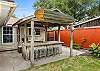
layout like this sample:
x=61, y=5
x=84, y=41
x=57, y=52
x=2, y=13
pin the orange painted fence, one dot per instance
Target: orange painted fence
x=81, y=36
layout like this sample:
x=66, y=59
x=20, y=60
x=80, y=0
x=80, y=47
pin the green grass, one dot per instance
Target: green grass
x=78, y=63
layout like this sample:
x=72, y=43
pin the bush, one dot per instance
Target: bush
x=95, y=49
x=76, y=46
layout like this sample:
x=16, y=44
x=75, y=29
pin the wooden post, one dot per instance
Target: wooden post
x=71, y=39
x=18, y=36
x=45, y=33
x=15, y=36
x=25, y=37
x=32, y=42
x=24, y=49
x=54, y=35
x=58, y=33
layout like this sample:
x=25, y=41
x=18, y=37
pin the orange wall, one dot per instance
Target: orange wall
x=84, y=37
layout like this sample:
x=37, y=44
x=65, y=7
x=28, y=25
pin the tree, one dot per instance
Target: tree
x=79, y=9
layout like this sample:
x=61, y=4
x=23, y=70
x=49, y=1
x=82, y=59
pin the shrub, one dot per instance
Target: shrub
x=76, y=46
x=95, y=49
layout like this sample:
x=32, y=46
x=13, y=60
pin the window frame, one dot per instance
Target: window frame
x=7, y=34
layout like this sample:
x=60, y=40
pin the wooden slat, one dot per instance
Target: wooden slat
x=58, y=19
x=56, y=16
x=53, y=21
x=53, y=16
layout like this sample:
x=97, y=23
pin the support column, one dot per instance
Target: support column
x=19, y=47
x=71, y=39
x=54, y=35
x=58, y=33
x=32, y=42
x=24, y=44
x=25, y=37
x=18, y=36
x=45, y=33
x=15, y=37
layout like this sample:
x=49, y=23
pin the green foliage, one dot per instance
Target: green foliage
x=79, y=9
x=76, y=46
x=95, y=49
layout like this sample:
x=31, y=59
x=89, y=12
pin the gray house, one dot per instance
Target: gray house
x=95, y=22
x=7, y=7
x=8, y=35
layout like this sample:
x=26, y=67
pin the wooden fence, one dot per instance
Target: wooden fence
x=81, y=36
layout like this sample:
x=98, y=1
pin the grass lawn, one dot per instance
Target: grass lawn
x=78, y=63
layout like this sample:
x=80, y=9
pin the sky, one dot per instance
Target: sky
x=24, y=8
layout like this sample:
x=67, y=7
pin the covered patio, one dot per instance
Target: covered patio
x=32, y=34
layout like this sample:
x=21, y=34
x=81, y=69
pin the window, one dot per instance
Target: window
x=29, y=25
x=7, y=35
x=37, y=31
x=29, y=31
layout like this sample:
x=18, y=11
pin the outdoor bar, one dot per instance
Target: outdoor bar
x=32, y=33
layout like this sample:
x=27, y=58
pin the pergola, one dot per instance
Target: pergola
x=47, y=18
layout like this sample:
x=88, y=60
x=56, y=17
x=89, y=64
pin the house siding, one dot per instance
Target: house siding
x=91, y=23
x=0, y=35
x=12, y=45
x=8, y=46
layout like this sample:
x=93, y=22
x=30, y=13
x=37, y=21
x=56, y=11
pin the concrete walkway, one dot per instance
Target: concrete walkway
x=13, y=61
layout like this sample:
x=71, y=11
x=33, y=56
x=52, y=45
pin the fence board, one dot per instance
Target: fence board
x=82, y=36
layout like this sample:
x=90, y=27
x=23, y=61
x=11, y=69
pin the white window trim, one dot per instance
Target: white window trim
x=2, y=36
